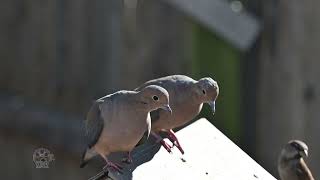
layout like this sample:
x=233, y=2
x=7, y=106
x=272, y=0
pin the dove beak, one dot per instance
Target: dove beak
x=213, y=106
x=304, y=153
x=167, y=108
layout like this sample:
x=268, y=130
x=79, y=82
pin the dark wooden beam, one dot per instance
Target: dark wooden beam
x=53, y=128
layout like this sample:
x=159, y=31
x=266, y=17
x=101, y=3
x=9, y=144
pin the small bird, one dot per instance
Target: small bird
x=291, y=165
x=186, y=100
x=116, y=122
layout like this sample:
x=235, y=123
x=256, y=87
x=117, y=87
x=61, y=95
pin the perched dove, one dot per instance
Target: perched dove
x=186, y=99
x=118, y=121
x=291, y=165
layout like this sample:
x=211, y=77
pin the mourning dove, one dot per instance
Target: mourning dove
x=186, y=99
x=291, y=165
x=116, y=122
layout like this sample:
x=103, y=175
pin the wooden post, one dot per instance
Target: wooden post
x=288, y=85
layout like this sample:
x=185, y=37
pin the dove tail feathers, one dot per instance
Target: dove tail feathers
x=87, y=155
x=83, y=163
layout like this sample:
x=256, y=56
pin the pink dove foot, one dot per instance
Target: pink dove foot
x=162, y=142
x=112, y=166
x=173, y=138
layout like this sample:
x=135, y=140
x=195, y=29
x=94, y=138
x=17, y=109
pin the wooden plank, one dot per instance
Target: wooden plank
x=53, y=128
x=209, y=154
x=47, y=91
x=75, y=34
x=158, y=42
x=107, y=39
x=8, y=38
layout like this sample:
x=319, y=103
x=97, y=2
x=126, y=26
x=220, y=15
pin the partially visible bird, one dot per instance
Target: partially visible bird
x=291, y=165
x=117, y=122
x=186, y=100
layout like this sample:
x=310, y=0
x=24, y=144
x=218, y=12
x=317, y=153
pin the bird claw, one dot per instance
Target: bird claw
x=173, y=138
x=176, y=143
x=166, y=145
x=113, y=166
x=160, y=140
x=127, y=160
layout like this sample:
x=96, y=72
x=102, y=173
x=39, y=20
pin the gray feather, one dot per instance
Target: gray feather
x=168, y=82
x=155, y=115
x=94, y=124
x=173, y=84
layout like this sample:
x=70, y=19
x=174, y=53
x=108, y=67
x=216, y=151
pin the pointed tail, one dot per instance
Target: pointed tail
x=87, y=155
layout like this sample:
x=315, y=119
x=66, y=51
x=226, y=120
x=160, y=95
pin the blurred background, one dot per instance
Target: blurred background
x=58, y=56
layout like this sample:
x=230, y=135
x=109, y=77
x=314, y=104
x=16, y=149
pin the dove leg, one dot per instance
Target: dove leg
x=111, y=165
x=160, y=140
x=173, y=138
x=128, y=159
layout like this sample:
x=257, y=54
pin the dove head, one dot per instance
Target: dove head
x=155, y=97
x=294, y=149
x=208, y=91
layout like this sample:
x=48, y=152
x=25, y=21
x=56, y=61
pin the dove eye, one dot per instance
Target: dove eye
x=203, y=91
x=156, y=98
x=297, y=147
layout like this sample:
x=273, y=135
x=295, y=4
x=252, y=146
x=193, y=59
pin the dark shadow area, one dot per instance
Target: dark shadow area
x=140, y=155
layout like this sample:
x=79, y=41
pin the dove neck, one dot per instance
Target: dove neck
x=286, y=157
x=195, y=95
